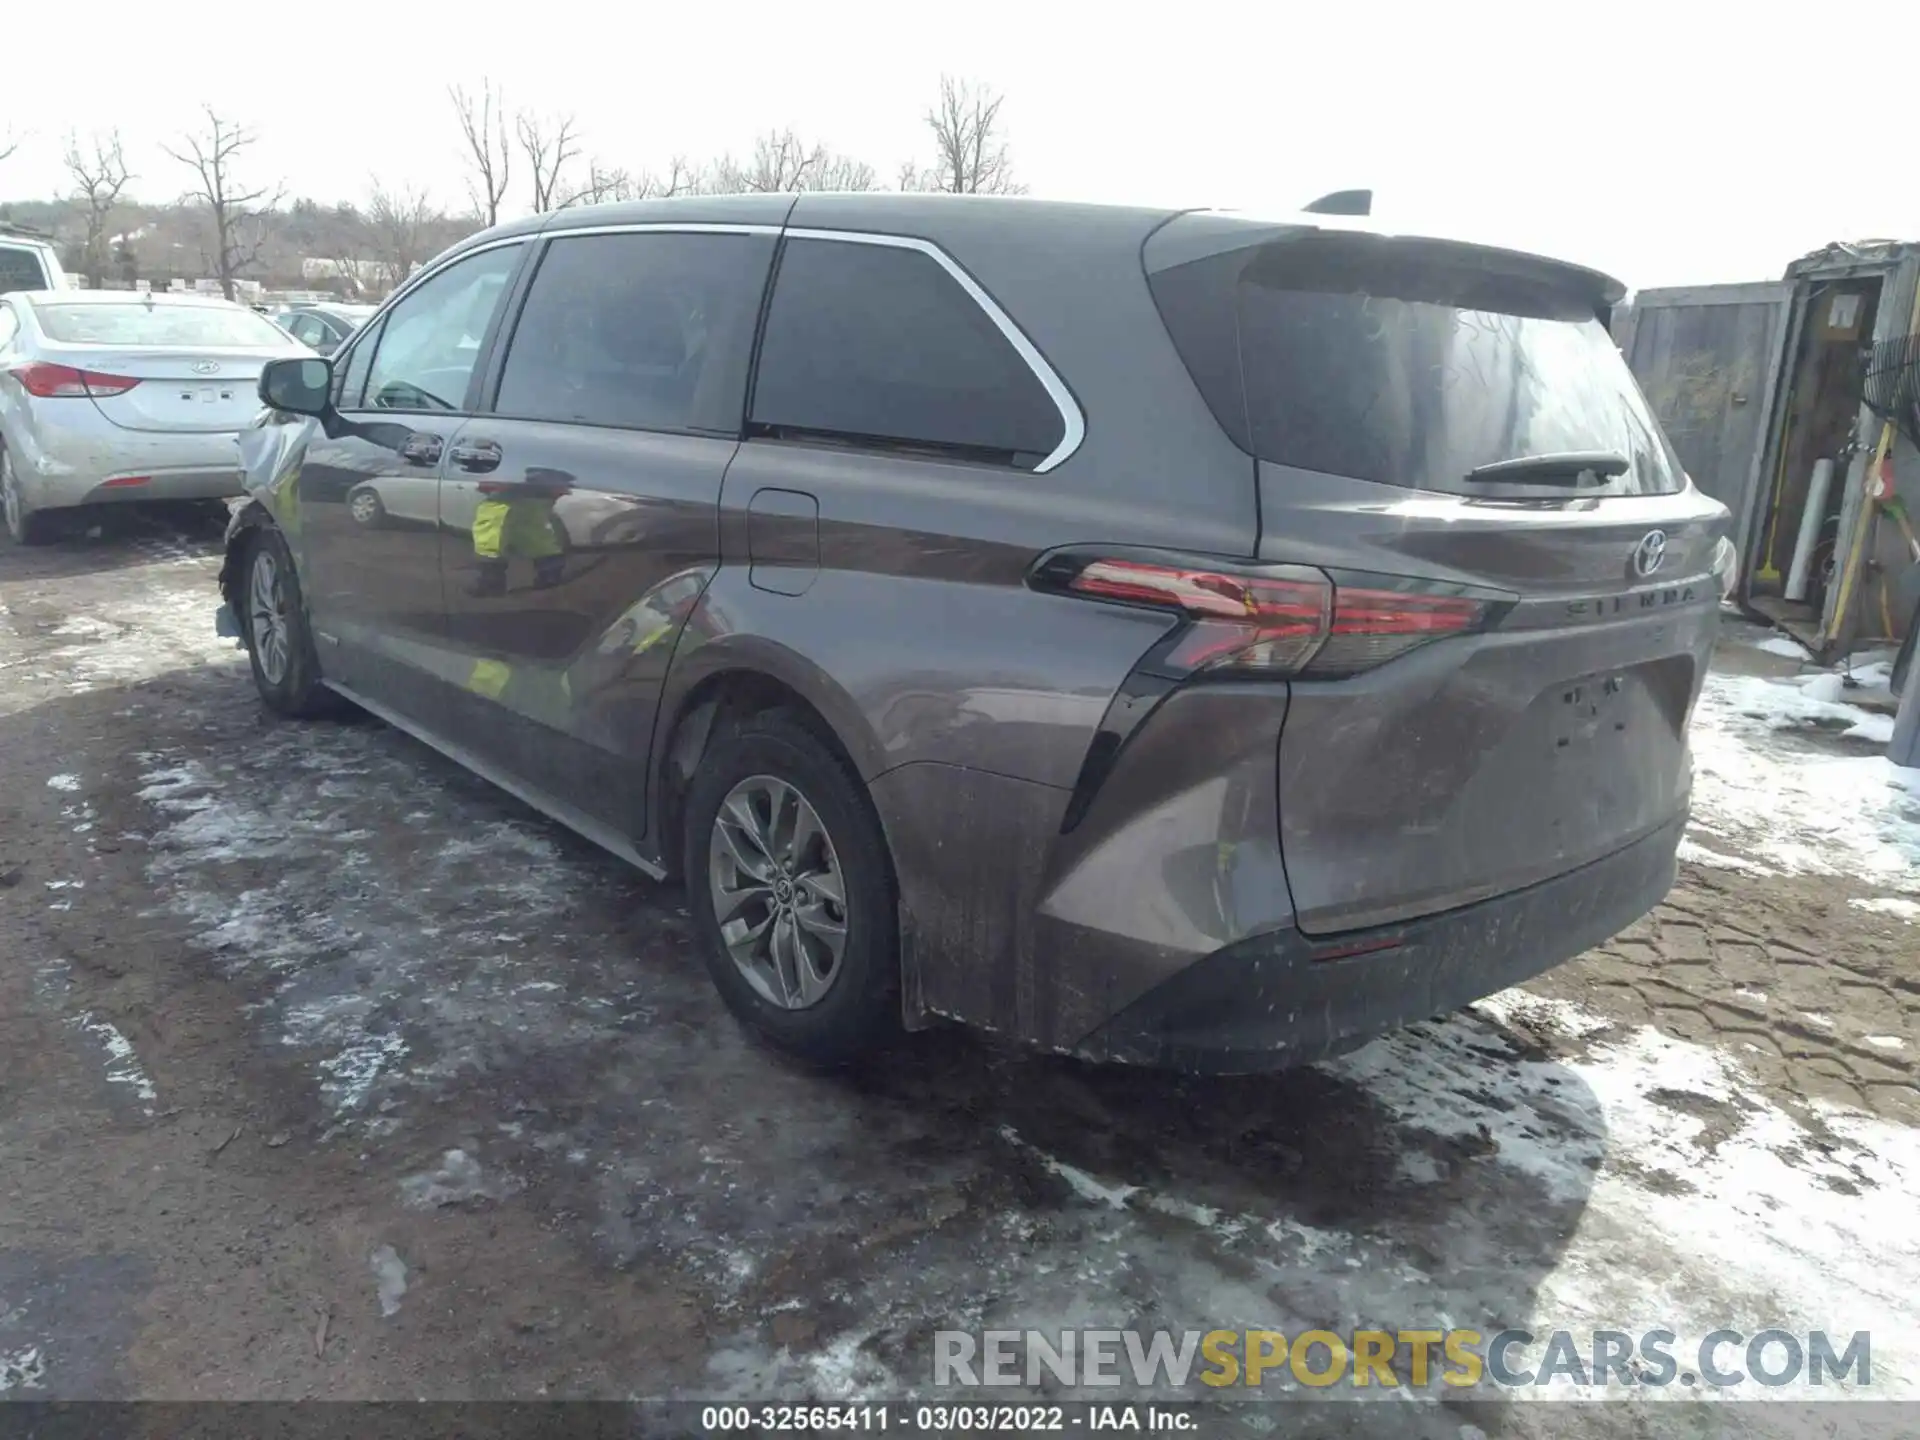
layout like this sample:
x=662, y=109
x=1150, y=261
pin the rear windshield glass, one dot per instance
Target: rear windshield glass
x=137, y=324
x=20, y=269
x=1409, y=365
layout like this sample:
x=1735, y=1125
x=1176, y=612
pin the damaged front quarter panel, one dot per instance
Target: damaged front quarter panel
x=271, y=449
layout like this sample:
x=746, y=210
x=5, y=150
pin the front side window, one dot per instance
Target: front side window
x=878, y=345
x=639, y=331
x=307, y=329
x=430, y=343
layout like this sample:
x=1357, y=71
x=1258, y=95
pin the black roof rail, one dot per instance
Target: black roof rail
x=8, y=227
x=1342, y=202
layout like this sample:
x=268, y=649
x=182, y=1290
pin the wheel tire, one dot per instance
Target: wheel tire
x=366, y=507
x=860, y=1011
x=24, y=526
x=287, y=674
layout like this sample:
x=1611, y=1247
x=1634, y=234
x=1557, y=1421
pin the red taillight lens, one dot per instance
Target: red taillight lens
x=1291, y=620
x=1371, y=627
x=50, y=382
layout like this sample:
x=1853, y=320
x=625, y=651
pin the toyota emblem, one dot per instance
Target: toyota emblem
x=206, y=367
x=1651, y=550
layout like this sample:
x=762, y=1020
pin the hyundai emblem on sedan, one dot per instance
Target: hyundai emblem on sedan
x=206, y=367
x=1651, y=550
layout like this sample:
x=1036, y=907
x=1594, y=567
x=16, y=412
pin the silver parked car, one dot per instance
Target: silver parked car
x=116, y=396
x=324, y=328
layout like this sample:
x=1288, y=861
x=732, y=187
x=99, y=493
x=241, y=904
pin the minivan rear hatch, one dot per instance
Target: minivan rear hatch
x=1426, y=415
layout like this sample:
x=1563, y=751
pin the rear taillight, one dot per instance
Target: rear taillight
x=63, y=381
x=1274, y=619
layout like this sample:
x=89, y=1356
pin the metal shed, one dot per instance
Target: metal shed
x=1757, y=385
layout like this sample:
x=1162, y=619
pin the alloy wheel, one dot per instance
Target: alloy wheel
x=267, y=612
x=778, y=894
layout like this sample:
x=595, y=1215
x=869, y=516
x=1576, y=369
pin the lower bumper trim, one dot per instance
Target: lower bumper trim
x=1276, y=999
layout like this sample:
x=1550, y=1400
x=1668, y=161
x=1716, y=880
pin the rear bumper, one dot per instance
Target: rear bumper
x=76, y=466
x=1281, y=998
x=193, y=484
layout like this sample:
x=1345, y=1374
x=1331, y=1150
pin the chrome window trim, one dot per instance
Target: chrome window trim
x=1073, y=422
x=641, y=227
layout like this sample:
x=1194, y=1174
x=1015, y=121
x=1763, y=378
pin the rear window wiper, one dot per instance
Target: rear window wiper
x=1563, y=467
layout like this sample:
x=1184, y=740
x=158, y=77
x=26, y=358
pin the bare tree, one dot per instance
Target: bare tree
x=98, y=179
x=680, y=179
x=401, y=221
x=782, y=162
x=548, y=146
x=235, y=211
x=969, y=149
x=842, y=172
x=9, y=143
x=609, y=183
x=604, y=183
x=483, y=125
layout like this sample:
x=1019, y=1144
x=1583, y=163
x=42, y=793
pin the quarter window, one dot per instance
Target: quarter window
x=640, y=331
x=879, y=345
x=431, y=342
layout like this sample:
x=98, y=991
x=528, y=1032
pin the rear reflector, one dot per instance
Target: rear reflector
x=50, y=382
x=1274, y=619
x=125, y=480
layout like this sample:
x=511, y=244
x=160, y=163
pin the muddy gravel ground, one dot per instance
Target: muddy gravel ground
x=326, y=1070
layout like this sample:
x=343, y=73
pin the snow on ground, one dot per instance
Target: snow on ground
x=1794, y=804
x=144, y=629
x=23, y=1369
x=1889, y=905
x=122, y=1064
x=1688, y=1161
x=1698, y=854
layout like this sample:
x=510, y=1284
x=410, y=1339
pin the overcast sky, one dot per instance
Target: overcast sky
x=1667, y=141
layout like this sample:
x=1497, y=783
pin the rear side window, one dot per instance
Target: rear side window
x=137, y=324
x=20, y=269
x=1407, y=363
x=638, y=331
x=879, y=345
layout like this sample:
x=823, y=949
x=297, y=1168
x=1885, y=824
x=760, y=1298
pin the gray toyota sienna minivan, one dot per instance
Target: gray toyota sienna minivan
x=1166, y=637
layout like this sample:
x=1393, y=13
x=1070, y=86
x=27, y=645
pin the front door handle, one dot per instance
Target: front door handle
x=421, y=448
x=478, y=456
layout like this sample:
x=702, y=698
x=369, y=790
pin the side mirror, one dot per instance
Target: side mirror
x=301, y=387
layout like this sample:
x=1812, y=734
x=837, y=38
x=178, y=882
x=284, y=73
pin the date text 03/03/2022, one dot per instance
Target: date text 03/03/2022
x=942, y=1418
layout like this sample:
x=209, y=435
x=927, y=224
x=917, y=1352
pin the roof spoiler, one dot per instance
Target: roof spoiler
x=1342, y=202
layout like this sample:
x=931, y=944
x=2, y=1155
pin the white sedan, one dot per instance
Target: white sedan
x=114, y=396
